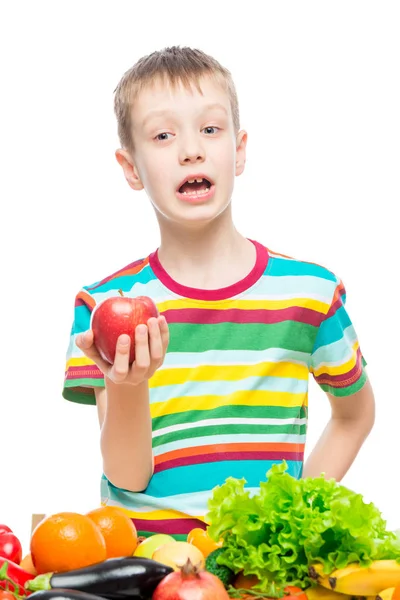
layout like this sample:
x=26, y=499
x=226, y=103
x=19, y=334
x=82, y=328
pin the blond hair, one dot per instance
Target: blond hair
x=173, y=65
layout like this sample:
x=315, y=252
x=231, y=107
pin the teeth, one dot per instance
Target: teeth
x=198, y=193
x=198, y=180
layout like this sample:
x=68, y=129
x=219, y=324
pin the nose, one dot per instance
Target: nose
x=191, y=151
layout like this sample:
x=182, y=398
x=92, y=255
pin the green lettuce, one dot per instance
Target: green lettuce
x=290, y=524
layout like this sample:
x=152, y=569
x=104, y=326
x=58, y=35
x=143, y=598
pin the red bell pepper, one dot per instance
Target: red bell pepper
x=13, y=578
x=10, y=547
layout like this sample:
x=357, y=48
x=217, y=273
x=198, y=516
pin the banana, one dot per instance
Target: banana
x=355, y=580
x=386, y=594
x=320, y=593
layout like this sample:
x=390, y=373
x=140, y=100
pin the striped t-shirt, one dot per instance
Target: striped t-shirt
x=231, y=396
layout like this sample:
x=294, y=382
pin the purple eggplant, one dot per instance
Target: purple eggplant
x=112, y=578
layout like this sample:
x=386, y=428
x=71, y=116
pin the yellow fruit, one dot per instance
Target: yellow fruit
x=386, y=594
x=356, y=580
x=316, y=571
x=200, y=538
x=147, y=548
x=175, y=554
x=27, y=565
x=320, y=593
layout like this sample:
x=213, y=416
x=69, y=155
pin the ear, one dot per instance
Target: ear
x=131, y=174
x=241, y=142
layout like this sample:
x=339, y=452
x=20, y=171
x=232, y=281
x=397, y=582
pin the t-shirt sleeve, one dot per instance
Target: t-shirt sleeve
x=337, y=363
x=81, y=374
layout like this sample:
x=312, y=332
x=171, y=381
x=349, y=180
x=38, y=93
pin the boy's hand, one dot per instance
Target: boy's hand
x=151, y=342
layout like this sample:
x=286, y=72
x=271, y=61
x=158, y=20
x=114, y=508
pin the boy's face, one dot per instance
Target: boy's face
x=181, y=136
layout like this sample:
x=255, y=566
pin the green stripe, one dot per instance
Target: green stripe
x=179, y=537
x=346, y=391
x=226, y=412
x=228, y=430
x=73, y=383
x=289, y=335
x=70, y=393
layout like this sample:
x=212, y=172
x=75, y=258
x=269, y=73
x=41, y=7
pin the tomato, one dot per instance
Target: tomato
x=294, y=593
x=4, y=529
x=200, y=538
x=10, y=547
x=245, y=582
x=6, y=595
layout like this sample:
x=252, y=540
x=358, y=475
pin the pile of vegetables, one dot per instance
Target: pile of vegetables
x=290, y=524
x=289, y=536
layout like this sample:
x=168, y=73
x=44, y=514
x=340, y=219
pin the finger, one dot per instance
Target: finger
x=164, y=331
x=142, y=352
x=120, y=368
x=85, y=342
x=156, y=347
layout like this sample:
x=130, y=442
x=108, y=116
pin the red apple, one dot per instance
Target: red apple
x=117, y=315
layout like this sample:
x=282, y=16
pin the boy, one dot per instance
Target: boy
x=219, y=385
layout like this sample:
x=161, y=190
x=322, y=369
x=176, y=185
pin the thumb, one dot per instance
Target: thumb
x=84, y=341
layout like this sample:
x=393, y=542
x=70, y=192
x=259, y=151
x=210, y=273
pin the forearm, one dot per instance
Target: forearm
x=126, y=441
x=337, y=447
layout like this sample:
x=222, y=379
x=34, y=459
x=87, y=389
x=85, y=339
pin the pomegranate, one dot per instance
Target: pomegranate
x=190, y=583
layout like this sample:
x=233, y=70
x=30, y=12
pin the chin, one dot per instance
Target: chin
x=193, y=215
x=202, y=215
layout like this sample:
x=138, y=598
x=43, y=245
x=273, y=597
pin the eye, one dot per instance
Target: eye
x=162, y=137
x=210, y=130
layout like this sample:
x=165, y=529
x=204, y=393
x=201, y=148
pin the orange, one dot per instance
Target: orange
x=66, y=541
x=200, y=538
x=118, y=530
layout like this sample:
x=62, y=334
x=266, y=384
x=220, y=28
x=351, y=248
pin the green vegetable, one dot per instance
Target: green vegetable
x=223, y=573
x=290, y=524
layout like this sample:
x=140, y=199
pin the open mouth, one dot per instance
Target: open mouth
x=195, y=187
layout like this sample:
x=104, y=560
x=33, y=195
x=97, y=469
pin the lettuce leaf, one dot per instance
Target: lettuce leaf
x=290, y=524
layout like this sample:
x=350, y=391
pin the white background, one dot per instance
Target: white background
x=318, y=84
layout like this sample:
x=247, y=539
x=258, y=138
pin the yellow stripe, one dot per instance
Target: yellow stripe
x=178, y=375
x=79, y=362
x=253, y=398
x=157, y=515
x=317, y=305
x=339, y=369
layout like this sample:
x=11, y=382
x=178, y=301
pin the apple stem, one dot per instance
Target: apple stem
x=120, y=292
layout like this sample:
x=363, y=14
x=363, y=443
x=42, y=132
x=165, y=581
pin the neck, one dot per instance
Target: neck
x=211, y=256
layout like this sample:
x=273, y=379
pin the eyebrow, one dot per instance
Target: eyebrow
x=165, y=113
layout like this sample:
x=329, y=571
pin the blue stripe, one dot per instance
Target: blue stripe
x=124, y=282
x=300, y=286
x=229, y=357
x=81, y=320
x=332, y=330
x=198, y=478
x=282, y=267
x=340, y=351
x=151, y=288
x=236, y=438
x=195, y=504
x=224, y=388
